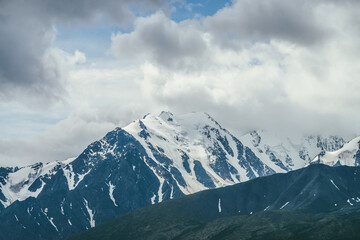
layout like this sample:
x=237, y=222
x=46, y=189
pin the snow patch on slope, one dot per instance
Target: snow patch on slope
x=50, y=219
x=73, y=179
x=334, y=184
x=219, y=205
x=284, y=205
x=111, y=192
x=91, y=214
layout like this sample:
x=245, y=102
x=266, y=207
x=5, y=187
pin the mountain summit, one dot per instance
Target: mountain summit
x=153, y=159
x=150, y=160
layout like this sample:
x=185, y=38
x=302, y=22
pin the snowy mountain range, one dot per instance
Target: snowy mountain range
x=289, y=153
x=151, y=160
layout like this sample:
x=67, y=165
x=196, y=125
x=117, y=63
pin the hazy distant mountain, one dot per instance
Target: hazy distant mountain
x=317, y=202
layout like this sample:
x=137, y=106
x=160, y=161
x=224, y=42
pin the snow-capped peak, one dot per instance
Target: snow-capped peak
x=166, y=116
x=285, y=153
x=156, y=158
x=185, y=153
x=177, y=138
x=348, y=155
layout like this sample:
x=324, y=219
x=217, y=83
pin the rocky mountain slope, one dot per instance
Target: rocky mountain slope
x=149, y=161
x=316, y=202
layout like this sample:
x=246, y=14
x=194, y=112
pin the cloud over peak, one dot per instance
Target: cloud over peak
x=254, y=64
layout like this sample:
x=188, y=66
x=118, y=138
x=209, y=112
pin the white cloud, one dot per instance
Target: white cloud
x=28, y=73
x=243, y=65
x=66, y=139
x=262, y=20
x=157, y=38
x=300, y=75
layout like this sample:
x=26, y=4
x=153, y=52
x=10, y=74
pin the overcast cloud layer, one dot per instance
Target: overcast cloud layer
x=284, y=66
x=29, y=69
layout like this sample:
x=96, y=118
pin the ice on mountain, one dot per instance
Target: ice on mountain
x=345, y=156
x=111, y=192
x=334, y=184
x=284, y=205
x=91, y=214
x=219, y=205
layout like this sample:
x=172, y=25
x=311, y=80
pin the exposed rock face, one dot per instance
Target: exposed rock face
x=149, y=161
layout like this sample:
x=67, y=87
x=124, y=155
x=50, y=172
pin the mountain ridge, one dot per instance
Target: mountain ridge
x=311, y=193
x=152, y=159
x=347, y=155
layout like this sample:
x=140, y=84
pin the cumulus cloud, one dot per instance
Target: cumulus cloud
x=259, y=64
x=28, y=70
x=158, y=38
x=264, y=20
x=297, y=22
x=23, y=62
x=275, y=65
x=99, y=99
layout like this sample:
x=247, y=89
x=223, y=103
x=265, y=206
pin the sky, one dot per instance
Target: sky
x=70, y=71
